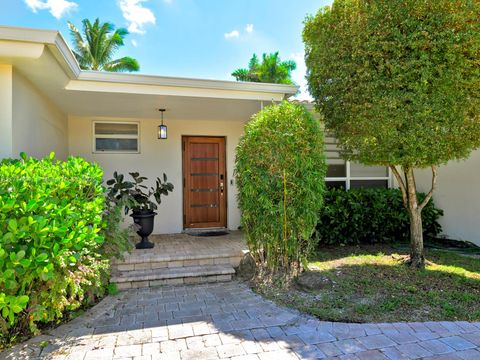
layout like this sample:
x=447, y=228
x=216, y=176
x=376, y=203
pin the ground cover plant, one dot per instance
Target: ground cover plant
x=398, y=84
x=280, y=167
x=53, y=224
x=370, y=283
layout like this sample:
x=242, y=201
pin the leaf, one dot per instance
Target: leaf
x=12, y=225
x=25, y=263
x=42, y=257
x=56, y=248
x=10, y=284
x=20, y=255
x=9, y=273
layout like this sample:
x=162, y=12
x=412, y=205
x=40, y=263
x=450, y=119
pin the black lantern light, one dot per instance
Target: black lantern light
x=162, y=129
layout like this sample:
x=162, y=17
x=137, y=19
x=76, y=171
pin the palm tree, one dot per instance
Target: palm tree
x=94, y=49
x=270, y=70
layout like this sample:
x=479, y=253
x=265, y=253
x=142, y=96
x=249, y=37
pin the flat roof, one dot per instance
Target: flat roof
x=59, y=47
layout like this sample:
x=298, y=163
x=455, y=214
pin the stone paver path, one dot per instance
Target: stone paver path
x=229, y=321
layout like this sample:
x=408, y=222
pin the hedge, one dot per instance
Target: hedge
x=370, y=216
x=279, y=168
x=51, y=217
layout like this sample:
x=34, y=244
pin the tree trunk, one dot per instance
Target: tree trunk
x=410, y=201
x=417, y=256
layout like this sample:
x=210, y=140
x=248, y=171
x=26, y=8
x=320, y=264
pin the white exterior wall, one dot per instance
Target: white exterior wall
x=159, y=156
x=6, y=144
x=39, y=127
x=458, y=194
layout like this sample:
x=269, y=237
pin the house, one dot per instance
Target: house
x=48, y=104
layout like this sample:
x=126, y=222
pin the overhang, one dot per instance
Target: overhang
x=45, y=59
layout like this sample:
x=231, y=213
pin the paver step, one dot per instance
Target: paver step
x=151, y=256
x=140, y=263
x=175, y=275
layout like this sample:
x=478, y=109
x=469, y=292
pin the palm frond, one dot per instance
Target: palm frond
x=123, y=64
x=96, y=45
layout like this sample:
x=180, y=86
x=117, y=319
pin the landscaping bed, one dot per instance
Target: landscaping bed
x=371, y=283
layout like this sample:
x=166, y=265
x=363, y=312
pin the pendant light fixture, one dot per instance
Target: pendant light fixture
x=162, y=129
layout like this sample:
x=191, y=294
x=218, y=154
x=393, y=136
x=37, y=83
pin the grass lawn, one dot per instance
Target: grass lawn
x=371, y=284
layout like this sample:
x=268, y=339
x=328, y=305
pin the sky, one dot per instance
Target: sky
x=205, y=39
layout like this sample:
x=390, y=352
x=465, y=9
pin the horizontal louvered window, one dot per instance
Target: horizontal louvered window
x=116, y=137
x=343, y=174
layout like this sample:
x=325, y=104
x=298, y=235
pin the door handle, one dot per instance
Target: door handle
x=221, y=188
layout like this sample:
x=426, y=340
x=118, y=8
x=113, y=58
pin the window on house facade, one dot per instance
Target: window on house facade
x=350, y=175
x=116, y=137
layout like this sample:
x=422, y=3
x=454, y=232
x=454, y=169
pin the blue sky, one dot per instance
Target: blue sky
x=188, y=38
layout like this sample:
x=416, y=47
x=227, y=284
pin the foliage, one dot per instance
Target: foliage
x=118, y=239
x=271, y=70
x=280, y=166
x=398, y=83
x=135, y=195
x=370, y=216
x=50, y=237
x=95, y=49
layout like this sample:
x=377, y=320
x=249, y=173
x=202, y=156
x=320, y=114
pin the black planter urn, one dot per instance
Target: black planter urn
x=145, y=220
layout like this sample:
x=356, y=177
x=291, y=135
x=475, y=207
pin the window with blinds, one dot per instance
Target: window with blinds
x=116, y=137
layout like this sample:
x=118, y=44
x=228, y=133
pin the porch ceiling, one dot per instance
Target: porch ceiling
x=146, y=106
x=88, y=98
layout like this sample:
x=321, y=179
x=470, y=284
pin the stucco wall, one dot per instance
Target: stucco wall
x=5, y=111
x=158, y=156
x=39, y=127
x=458, y=194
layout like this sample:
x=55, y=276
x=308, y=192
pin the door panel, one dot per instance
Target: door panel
x=204, y=174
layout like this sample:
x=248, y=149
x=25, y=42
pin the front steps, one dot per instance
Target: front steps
x=179, y=259
x=173, y=276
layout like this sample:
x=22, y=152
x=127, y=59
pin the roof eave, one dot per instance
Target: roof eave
x=65, y=57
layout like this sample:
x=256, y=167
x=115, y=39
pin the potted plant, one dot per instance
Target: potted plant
x=137, y=197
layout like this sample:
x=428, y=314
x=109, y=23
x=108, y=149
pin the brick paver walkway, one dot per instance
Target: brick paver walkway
x=217, y=321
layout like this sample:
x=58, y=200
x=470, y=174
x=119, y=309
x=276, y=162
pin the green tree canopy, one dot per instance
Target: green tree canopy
x=95, y=48
x=280, y=167
x=271, y=70
x=398, y=83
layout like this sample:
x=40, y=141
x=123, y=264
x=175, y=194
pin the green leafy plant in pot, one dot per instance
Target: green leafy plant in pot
x=137, y=197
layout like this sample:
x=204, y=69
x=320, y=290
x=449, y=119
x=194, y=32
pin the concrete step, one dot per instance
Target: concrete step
x=172, y=276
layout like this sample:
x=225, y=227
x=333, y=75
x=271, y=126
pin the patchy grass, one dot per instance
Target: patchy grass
x=372, y=284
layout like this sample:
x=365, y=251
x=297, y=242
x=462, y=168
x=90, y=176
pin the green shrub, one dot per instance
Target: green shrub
x=51, y=219
x=280, y=167
x=370, y=216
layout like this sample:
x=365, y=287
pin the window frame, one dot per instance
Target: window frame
x=348, y=178
x=115, y=136
x=332, y=142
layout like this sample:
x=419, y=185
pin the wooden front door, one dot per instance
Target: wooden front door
x=204, y=182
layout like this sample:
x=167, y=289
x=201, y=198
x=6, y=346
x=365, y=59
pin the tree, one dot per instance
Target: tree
x=279, y=169
x=270, y=70
x=398, y=83
x=95, y=49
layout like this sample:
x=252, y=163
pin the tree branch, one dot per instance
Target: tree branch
x=430, y=193
x=401, y=183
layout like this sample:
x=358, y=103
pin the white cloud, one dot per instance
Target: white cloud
x=232, y=34
x=298, y=75
x=249, y=28
x=57, y=8
x=136, y=15
x=134, y=43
